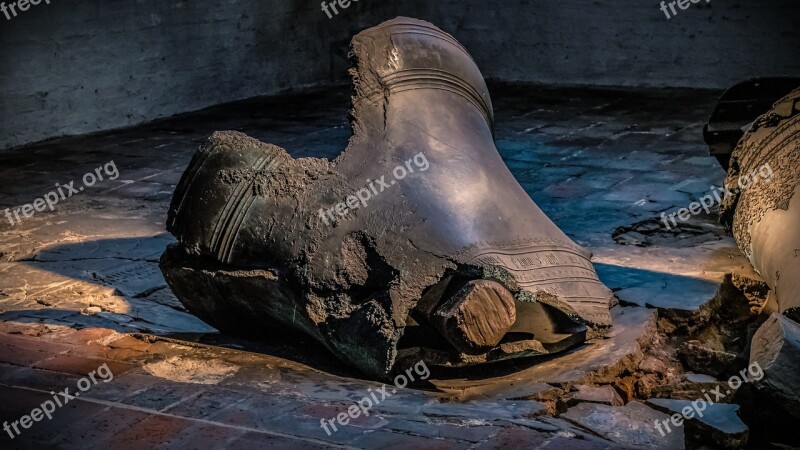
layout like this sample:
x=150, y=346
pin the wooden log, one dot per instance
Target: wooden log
x=476, y=317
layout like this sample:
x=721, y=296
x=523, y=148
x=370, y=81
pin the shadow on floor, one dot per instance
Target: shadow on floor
x=130, y=267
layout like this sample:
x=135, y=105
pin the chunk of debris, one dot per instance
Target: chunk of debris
x=646, y=384
x=687, y=390
x=604, y=395
x=700, y=358
x=776, y=350
x=651, y=364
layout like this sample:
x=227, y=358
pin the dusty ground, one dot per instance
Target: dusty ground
x=80, y=287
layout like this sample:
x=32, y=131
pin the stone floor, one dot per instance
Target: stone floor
x=80, y=286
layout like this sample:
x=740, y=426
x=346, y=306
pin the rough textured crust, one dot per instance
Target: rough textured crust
x=773, y=139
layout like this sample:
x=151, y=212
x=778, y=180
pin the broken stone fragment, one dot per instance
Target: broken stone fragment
x=514, y=390
x=700, y=358
x=753, y=287
x=688, y=390
x=604, y=395
x=415, y=243
x=776, y=351
x=627, y=387
x=652, y=364
x=542, y=392
x=715, y=424
x=646, y=384
x=733, y=301
x=632, y=425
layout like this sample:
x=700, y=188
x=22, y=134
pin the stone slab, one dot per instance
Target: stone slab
x=631, y=425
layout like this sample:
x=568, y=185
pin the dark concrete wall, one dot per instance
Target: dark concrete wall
x=81, y=66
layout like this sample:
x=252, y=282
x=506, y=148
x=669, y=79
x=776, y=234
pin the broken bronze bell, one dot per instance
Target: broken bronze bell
x=763, y=212
x=416, y=243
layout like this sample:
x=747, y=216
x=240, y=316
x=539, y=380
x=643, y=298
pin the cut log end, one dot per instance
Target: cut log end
x=477, y=317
